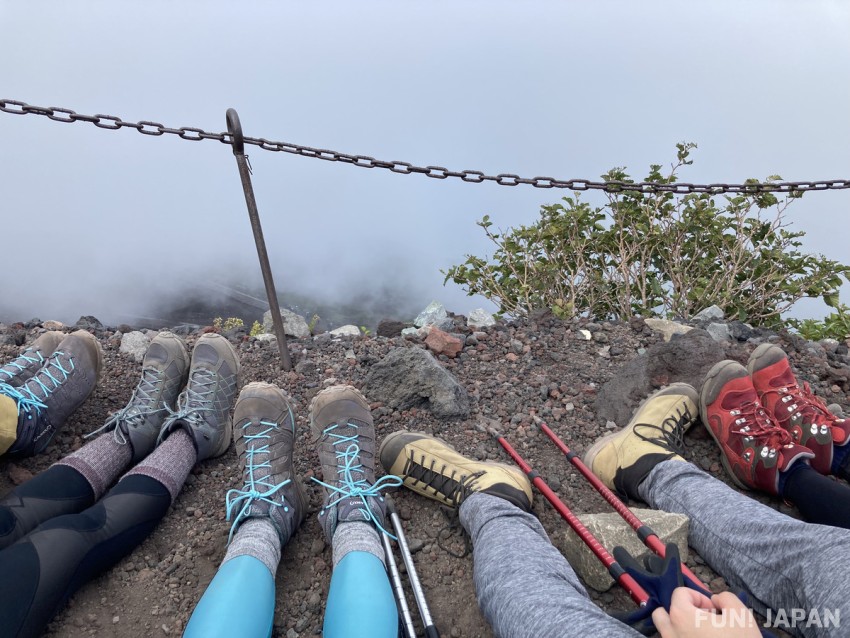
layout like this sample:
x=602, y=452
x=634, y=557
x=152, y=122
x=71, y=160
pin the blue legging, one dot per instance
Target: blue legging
x=240, y=601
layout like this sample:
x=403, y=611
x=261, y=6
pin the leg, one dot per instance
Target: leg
x=525, y=587
x=820, y=499
x=784, y=563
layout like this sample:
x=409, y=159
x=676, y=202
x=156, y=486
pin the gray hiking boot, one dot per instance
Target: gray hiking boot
x=59, y=387
x=342, y=424
x=203, y=408
x=25, y=365
x=163, y=376
x=264, y=433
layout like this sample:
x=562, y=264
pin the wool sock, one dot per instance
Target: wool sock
x=256, y=537
x=356, y=536
x=100, y=462
x=170, y=463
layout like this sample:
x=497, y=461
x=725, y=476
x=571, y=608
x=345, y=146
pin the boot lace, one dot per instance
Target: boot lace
x=454, y=489
x=196, y=400
x=351, y=481
x=672, y=431
x=756, y=423
x=258, y=469
x=142, y=405
x=804, y=403
x=31, y=396
x=21, y=363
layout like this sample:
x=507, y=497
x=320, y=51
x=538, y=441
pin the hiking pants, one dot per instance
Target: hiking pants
x=526, y=588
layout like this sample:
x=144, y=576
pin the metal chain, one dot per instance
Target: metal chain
x=146, y=127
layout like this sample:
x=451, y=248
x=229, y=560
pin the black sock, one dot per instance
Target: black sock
x=819, y=498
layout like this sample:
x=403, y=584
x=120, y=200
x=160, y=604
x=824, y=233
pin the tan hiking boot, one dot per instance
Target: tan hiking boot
x=32, y=358
x=430, y=467
x=622, y=460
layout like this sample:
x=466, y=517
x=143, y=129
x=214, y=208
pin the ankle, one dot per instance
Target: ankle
x=841, y=461
x=791, y=474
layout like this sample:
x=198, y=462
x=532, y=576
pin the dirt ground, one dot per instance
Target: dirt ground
x=554, y=372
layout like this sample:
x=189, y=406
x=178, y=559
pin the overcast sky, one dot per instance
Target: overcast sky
x=101, y=222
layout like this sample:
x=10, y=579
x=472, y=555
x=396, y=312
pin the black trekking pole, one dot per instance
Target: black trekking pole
x=415, y=585
x=395, y=577
x=644, y=532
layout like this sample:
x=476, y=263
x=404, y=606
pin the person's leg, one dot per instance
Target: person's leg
x=266, y=511
x=525, y=587
x=81, y=478
x=360, y=600
x=782, y=562
x=820, y=499
x=40, y=571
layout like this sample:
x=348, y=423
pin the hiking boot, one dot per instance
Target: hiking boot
x=163, y=375
x=754, y=448
x=796, y=409
x=623, y=459
x=264, y=433
x=59, y=387
x=23, y=368
x=432, y=468
x=203, y=408
x=342, y=425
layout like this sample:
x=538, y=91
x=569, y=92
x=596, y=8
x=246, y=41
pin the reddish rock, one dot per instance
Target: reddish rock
x=17, y=474
x=440, y=342
x=511, y=357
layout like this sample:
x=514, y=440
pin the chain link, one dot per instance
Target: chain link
x=146, y=127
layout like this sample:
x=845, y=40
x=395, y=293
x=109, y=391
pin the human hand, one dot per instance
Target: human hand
x=693, y=615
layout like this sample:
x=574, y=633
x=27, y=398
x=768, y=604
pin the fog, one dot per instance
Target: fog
x=117, y=224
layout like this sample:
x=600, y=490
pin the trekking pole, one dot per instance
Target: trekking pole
x=407, y=619
x=234, y=127
x=415, y=585
x=644, y=532
x=629, y=584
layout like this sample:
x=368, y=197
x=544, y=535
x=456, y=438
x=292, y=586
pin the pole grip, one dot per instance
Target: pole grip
x=431, y=632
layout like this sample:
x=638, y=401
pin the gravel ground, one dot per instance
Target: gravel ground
x=541, y=366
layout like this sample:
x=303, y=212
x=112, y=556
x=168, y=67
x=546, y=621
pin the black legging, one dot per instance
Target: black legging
x=819, y=498
x=41, y=571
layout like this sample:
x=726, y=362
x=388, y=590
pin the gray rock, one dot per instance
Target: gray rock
x=830, y=345
x=390, y=329
x=184, y=329
x=135, y=344
x=719, y=332
x=411, y=377
x=480, y=318
x=345, y=331
x=293, y=325
x=741, y=331
x=667, y=328
x=89, y=323
x=434, y=314
x=836, y=409
x=612, y=530
x=712, y=313
x=685, y=358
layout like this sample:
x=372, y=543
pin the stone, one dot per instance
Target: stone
x=89, y=323
x=740, y=331
x=184, y=329
x=585, y=335
x=17, y=474
x=419, y=333
x=434, y=314
x=440, y=342
x=52, y=325
x=480, y=318
x=135, y=344
x=836, y=409
x=411, y=377
x=686, y=358
x=611, y=530
x=712, y=313
x=667, y=328
x=345, y=331
x=294, y=325
x=719, y=332
x=390, y=329
x=267, y=337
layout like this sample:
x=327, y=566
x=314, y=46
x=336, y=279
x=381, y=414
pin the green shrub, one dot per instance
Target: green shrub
x=256, y=329
x=835, y=326
x=653, y=254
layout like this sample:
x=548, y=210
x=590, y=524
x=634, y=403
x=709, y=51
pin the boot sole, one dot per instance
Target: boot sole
x=703, y=413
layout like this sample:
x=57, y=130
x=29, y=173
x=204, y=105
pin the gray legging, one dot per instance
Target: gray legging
x=526, y=588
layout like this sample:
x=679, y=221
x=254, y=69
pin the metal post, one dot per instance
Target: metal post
x=234, y=127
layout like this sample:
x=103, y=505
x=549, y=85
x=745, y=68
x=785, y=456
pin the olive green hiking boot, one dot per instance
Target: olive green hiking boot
x=622, y=460
x=32, y=358
x=432, y=468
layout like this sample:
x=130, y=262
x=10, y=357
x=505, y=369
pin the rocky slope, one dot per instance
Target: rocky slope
x=583, y=378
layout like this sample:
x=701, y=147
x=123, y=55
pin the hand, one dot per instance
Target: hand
x=693, y=615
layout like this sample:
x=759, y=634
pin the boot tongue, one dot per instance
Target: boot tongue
x=739, y=398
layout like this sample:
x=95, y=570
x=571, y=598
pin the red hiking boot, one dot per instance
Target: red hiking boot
x=755, y=448
x=796, y=409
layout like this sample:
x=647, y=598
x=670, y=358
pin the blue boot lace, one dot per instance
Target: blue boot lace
x=256, y=488
x=48, y=379
x=347, y=486
x=24, y=360
x=196, y=399
x=141, y=405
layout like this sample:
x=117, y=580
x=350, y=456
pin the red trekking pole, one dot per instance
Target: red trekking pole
x=644, y=532
x=629, y=584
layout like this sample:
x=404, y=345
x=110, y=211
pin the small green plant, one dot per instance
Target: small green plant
x=313, y=321
x=366, y=332
x=227, y=324
x=836, y=325
x=256, y=329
